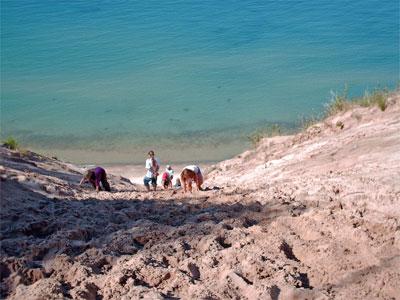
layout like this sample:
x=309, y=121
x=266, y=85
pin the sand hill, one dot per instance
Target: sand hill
x=310, y=216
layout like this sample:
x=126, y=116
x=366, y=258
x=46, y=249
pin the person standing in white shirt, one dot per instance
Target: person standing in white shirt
x=152, y=167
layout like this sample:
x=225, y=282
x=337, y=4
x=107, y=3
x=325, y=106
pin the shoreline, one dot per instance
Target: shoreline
x=136, y=172
x=179, y=154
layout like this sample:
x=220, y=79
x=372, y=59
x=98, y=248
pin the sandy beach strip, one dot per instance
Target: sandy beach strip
x=135, y=172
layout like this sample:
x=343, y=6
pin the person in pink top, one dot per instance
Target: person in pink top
x=167, y=176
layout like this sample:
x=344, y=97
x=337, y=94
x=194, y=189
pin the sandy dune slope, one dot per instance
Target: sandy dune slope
x=310, y=216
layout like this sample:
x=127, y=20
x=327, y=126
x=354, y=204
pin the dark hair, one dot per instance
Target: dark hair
x=89, y=174
x=187, y=173
x=151, y=152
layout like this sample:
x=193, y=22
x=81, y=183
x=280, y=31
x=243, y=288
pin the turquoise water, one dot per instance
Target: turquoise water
x=191, y=79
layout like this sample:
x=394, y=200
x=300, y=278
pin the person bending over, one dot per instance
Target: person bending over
x=190, y=174
x=167, y=177
x=95, y=176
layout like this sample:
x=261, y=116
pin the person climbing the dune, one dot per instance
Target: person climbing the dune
x=167, y=177
x=188, y=175
x=95, y=176
x=152, y=167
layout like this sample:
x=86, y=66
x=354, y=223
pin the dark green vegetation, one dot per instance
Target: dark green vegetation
x=11, y=143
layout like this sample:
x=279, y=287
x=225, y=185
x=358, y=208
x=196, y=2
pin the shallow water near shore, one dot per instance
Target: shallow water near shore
x=103, y=82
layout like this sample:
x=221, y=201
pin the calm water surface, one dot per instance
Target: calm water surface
x=104, y=81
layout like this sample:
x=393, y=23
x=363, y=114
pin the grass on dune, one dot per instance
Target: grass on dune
x=268, y=131
x=11, y=143
x=340, y=102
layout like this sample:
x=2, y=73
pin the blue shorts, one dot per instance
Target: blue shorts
x=147, y=180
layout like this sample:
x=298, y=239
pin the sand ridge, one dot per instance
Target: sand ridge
x=309, y=216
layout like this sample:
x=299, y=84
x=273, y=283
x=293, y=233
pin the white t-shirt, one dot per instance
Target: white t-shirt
x=193, y=168
x=170, y=172
x=149, y=167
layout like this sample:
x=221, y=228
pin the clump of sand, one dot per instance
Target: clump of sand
x=309, y=216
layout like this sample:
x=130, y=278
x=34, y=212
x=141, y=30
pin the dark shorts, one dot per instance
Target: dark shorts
x=147, y=180
x=166, y=182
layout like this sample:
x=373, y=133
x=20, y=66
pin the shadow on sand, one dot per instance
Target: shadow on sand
x=35, y=228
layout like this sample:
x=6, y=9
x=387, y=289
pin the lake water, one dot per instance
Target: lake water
x=105, y=81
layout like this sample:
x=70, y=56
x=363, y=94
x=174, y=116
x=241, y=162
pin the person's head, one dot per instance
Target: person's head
x=169, y=167
x=187, y=177
x=89, y=174
x=151, y=153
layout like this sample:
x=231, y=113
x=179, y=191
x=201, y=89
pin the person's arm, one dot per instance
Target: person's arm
x=155, y=166
x=199, y=180
x=83, y=180
x=97, y=182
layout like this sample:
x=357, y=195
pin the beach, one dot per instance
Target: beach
x=135, y=173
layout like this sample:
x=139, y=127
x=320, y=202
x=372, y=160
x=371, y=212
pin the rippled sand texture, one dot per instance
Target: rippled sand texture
x=310, y=216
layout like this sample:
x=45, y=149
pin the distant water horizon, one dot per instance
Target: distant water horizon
x=105, y=81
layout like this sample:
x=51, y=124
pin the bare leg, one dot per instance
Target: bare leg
x=183, y=183
x=190, y=185
x=199, y=181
